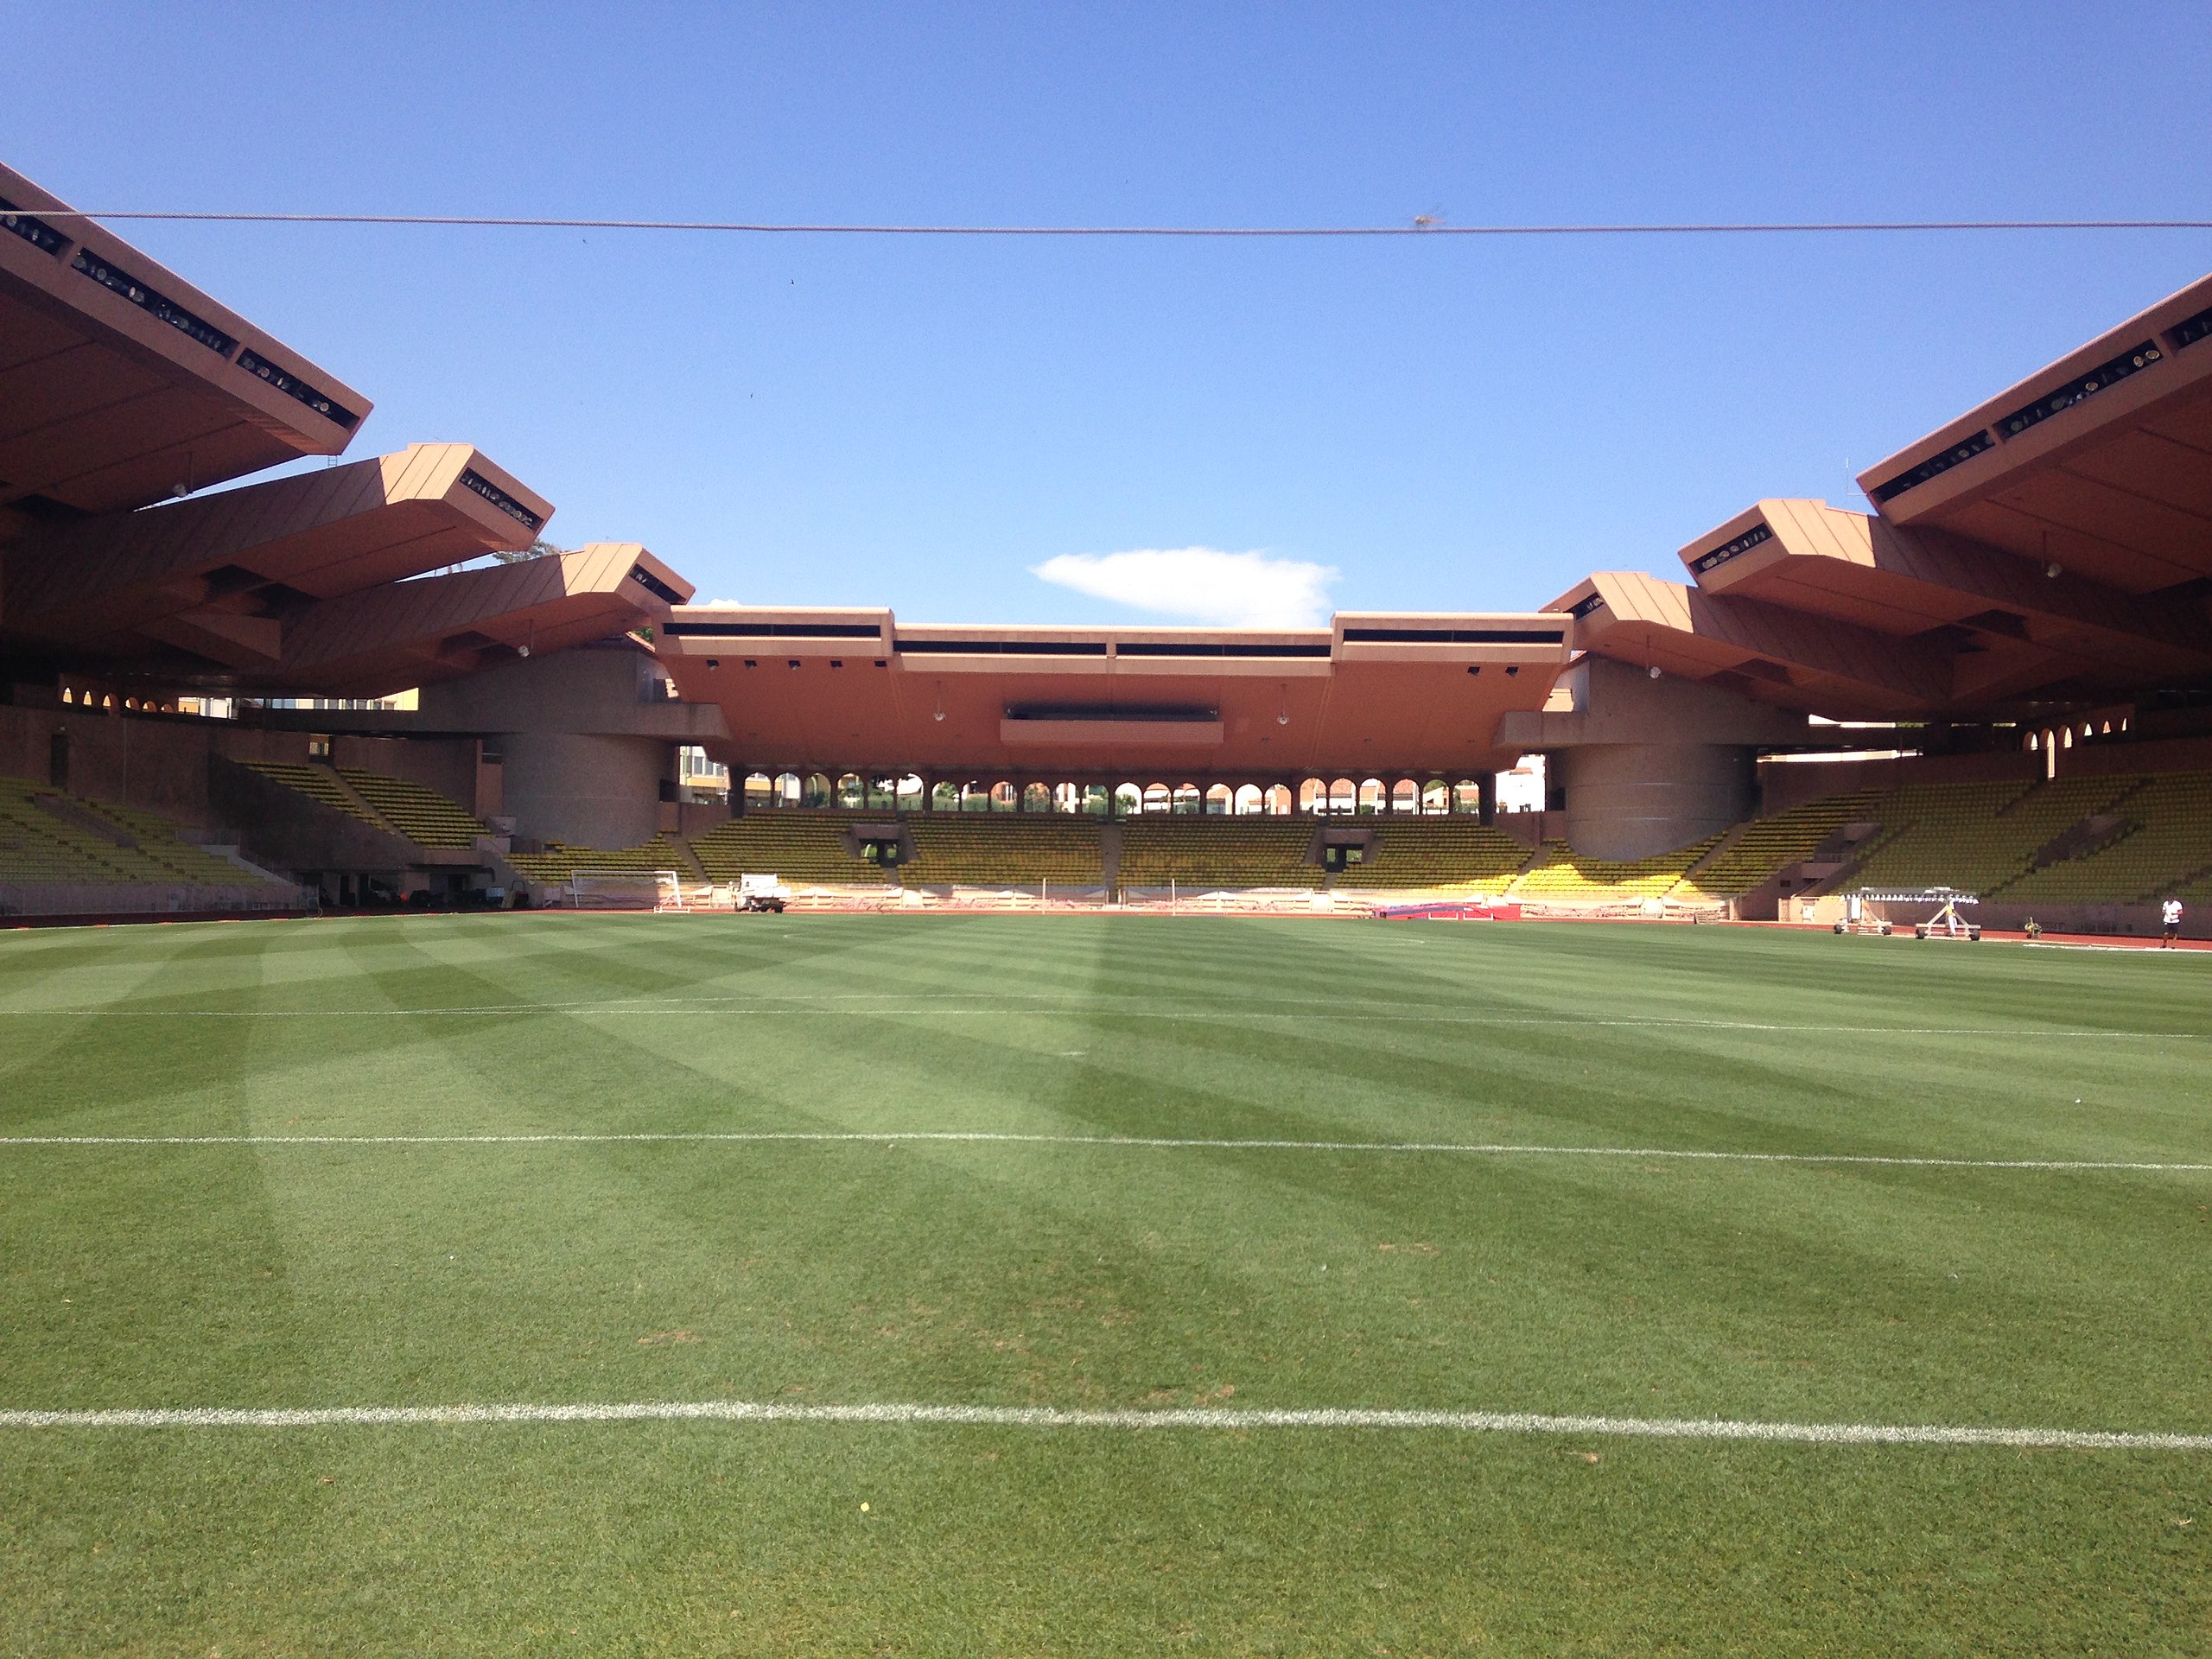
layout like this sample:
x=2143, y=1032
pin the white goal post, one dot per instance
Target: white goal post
x=624, y=890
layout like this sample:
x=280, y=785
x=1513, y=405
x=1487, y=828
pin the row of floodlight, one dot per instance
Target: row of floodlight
x=2079, y=389
x=120, y=282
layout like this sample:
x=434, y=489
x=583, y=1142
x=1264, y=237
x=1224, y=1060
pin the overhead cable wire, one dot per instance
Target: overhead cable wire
x=1225, y=232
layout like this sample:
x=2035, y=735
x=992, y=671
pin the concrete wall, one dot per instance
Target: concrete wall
x=156, y=763
x=591, y=792
x=1631, y=800
x=1646, y=765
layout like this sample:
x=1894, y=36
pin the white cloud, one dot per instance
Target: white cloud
x=1201, y=584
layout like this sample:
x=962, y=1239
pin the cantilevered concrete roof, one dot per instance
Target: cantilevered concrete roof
x=2101, y=462
x=2016, y=627
x=121, y=382
x=219, y=575
x=806, y=690
x=408, y=633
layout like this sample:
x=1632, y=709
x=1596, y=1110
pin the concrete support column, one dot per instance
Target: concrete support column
x=590, y=792
x=1486, y=798
x=1632, y=800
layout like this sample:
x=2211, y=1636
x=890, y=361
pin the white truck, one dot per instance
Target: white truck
x=762, y=892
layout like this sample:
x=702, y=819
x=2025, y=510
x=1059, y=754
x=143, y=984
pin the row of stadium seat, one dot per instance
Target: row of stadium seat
x=1566, y=874
x=1434, y=853
x=418, y=812
x=1768, y=845
x=559, y=860
x=319, y=784
x=1981, y=837
x=398, y=806
x=1223, y=852
x=1015, y=852
x=798, y=846
x=37, y=846
x=1976, y=837
x=2164, y=846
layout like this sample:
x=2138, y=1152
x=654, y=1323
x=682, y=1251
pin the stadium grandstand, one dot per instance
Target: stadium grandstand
x=378, y=681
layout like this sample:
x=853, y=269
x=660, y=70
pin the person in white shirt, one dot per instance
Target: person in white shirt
x=2170, y=916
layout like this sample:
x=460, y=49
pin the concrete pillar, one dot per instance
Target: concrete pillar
x=590, y=792
x=1486, y=798
x=1632, y=800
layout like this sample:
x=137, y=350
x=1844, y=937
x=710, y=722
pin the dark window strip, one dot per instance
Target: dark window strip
x=1115, y=713
x=155, y=305
x=1003, y=647
x=1581, y=608
x=2190, y=330
x=1743, y=544
x=771, y=631
x=2130, y=361
x=292, y=386
x=500, y=499
x=1153, y=648
x=1934, y=467
x=1455, y=636
x=37, y=231
x=653, y=585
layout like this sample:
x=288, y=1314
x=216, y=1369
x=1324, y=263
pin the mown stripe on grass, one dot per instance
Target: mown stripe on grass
x=1229, y=1418
x=891, y=1137
x=1099, y=1008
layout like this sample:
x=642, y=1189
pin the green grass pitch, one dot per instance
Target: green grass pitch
x=884, y=1270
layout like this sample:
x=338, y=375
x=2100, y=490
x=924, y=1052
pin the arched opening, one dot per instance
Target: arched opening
x=817, y=790
x=1405, y=795
x=1344, y=797
x=1005, y=797
x=882, y=794
x=1281, y=803
x=1036, y=797
x=788, y=788
x=1247, y=800
x=974, y=797
x=1158, y=797
x=1220, y=799
x=760, y=790
x=2035, y=741
x=1467, y=795
x=1312, y=796
x=1128, y=800
x=1373, y=796
x=1096, y=800
x=1435, y=797
x=852, y=792
x=912, y=795
x=944, y=797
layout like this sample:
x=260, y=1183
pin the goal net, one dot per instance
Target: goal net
x=624, y=890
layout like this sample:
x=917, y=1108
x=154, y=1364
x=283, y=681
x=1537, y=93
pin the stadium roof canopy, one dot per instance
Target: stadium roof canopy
x=121, y=382
x=835, y=690
x=2050, y=549
x=2052, y=546
x=122, y=385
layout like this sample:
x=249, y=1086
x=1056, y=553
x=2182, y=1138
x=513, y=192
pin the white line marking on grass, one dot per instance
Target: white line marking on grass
x=1231, y=1418
x=1331, y=1012
x=893, y=1137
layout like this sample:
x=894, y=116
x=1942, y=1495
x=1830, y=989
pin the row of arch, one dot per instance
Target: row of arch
x=1314, y=797
x=107, y=702
x=2049, y=740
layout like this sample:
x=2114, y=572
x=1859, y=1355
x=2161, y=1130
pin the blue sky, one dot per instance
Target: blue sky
x=1448, y=423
